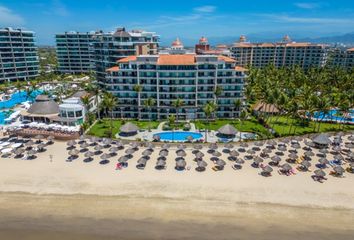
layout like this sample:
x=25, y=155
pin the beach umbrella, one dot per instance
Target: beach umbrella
x=241, y=149
x=267, y=169
x=306, y=164
x=244, y=145
x=251, y=151
x=107, y=141
x=50, y=138
x=156, y=137
x=166, y=146
x=309, y=154
x=29, y=143
x=113, y=149
x=322, y=140
x=202, y=164
x=71, y=143
x=199, y=155
x=213, y=146
x=293, y=156
x=93, y=139
x=142, y=161
x=181, y=163
x=120, y=144
x=351, y=155
x=286, y=167
x=163, y=153
x=198, y=146
x=134, y=145
x=258, y=160
x=323, y=150
x=41, y=146
x=19, y=151
x=181, y=153
x=227, y=129
x=337, y=149
x=229, y=146
x=349, y=145
x=351, y=138
x=319, y=173
x=351, y=165
x=129, y=128
x=123, y=159
x=84, y=145
x=129, y=151
x=150, y=146
x=282, y=148
x=338, y=169
x=98, y=148
x=39, y=137
x=259, y=144
x=31, y=152
x=105, y=156
x=220, y=162
x=239, y=161
x=160, y=163
x=266, y=150
x=271, y=142
x=82, y=138
x=338, y=157
x=89, y=154
x=296, y=146
x=147, y=152
x=323, y=161
x=181, y=146
x=234, y=153
x=216, y=154
x=73, y=152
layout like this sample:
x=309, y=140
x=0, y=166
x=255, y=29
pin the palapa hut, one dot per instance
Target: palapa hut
x=227, y=130
x=43, y=109
x=321, y=141
x=128, y=129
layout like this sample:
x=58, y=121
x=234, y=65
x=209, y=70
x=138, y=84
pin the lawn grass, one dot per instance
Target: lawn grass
x=101, y=127
x=282, y=126
x=250, y=125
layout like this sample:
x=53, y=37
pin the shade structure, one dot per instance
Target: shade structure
x=150, y=146
x=321, y=140
x=160, y=163
x=202, y=163
x=199, y=155
x=338, y=169
x=266, y=150
x=73, y=152
x=89, y=154
x=105, y=156
x=120, y=144
x=181, y=153
x=271, y=142
x=156, y=137
x=351, y=138
x=123, y=159
x=113, y=149
x=243, y=144
x=282, y=148
x=84, y=145
x=71, y=143
x=181, y=163
x=229, y=146
x=293, y=156
x=323, y=150
x=320, y=173
x=275, y=158
x=39, y=137
x=147, y=152
x=227, y=129
x=213, y=146
x=286, y=167
x=41, y=146
x=258, y=160
x=165, y=146
x=163, y=153
x=309, y=154
x=259, y=144
x=216, y=154
x=50, y=138
x=239, y=161
x=107, y=141
x=129, y=151
x=234, y=153
x=93, y=139
x=32, y=152
x=296, y=146
x=129, y=128
x=251, y=151
x=220, y=162
x=98, y=148
x=198, y=146
x=181, y=146
x=18, y=151
x=134, y=145
x=142, y=161
x=338, y=157
x=82, y=137
x=267, y=169
x=306, y=164
x=29, y=143
x=323, y=161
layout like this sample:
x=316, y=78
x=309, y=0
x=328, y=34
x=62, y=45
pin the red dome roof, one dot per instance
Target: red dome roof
x=203, y=40
x=177, y=43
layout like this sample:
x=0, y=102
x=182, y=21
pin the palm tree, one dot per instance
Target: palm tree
x=177, y=104
x=237, y=105
x=138, y=88
x=323, y=106
x=109, y=103
x=97, y=92
x=149, y=103
x=243, y=116
x=208, y=110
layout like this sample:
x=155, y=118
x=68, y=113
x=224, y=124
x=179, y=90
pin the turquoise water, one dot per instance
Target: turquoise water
x=331, y=116
x=18, y=98
x=3, y=116
x=178, y=136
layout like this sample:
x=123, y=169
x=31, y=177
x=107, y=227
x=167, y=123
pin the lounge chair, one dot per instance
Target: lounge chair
x=215, y=169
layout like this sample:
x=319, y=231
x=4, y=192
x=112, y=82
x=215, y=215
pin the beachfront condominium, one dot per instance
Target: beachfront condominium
x=342, y=58
x=75, y=52
x=112, y=46
x=167, y=77
x=281, y=54
x=18, y=55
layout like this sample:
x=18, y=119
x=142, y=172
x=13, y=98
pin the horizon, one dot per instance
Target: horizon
x=187, y=20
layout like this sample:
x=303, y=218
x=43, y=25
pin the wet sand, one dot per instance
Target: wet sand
x=32, y=216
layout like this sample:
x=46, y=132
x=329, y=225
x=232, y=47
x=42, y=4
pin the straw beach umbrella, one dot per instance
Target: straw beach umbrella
x=163, y=153
x=181, y=153
x=123, y=159
x=319, y=173
x=147, y=152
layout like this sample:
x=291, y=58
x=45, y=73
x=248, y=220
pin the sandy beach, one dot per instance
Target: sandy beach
x=76, y=200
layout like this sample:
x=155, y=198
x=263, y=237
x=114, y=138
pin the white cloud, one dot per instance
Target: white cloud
x=290, y=19
x=7, y=17
x=205, y=9
x=307, y=5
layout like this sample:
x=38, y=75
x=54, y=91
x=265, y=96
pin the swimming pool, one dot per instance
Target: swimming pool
x=178, y=136
x=3, y=116
x=334, y=115
x=19, y=97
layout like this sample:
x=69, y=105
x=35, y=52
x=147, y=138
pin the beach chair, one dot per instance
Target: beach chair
x=215, y=168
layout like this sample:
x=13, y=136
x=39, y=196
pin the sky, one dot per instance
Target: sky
x=189, y=19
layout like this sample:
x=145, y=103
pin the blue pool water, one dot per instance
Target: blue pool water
x=178, y=136
x=331, y=116
x=3, y=116
x=18, y=98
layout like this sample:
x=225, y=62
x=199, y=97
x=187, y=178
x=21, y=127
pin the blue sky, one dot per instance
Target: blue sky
x=186, y=19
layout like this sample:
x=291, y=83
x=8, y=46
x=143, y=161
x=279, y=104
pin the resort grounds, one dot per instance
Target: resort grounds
x=81, y=199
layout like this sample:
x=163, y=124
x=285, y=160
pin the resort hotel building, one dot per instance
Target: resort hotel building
x=112, y=46
x=344, y=59
x=18, y=55
x=172, y=75
x=282, y=54
x=75, y=52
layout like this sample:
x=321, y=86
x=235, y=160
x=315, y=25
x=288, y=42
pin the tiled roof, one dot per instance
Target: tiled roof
x=241, y=69
x=226, y=59
x=112, y=69
x=176, y=59
x=350, y=50
x=127, y=59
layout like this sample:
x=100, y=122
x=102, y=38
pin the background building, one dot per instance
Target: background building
x=203, y=48
x=167, y=77
x=75, y=52
x=18, y=55
x=283, y=54
x=340, y=58
x=112, y=46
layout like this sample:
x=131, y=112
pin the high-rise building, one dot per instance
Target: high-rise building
x=112, y=46
x=170, y=76
x=282, y=54
x=203, y=48
x=340, y=58
x=75, y=52
x=18, y=55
